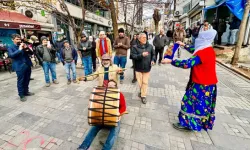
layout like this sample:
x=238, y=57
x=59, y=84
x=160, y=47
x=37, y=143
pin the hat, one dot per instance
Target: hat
x=106, y=57
x=83, y=35
x=33, y=38
x=30, y=41
x=121, y=30
x=44, y=38
x=65, y=41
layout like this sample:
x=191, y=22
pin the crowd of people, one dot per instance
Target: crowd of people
x=198, y=103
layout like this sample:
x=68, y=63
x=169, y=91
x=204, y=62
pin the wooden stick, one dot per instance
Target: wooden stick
x=123, y=69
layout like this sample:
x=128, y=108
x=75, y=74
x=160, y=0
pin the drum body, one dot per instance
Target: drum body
x=104, y=107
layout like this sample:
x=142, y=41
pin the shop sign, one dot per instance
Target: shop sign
x=13, y=25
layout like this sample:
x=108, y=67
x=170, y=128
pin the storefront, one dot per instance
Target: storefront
x=223, y=15
x=12, y=22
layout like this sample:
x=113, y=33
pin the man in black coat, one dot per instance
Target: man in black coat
x=144, y=55
x=160, y=41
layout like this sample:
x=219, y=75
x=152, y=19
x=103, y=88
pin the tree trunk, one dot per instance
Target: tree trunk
x=82, y=21
x=156, y=27
x=114, y=18
x=241, y=34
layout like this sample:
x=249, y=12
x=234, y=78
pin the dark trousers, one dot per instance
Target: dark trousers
x=23, y=80
x=134, y=69
x=94, y=62
x=160, y=52
x=219, y=37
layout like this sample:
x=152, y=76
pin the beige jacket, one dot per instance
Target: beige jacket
x=100, y=74
x=98, y=53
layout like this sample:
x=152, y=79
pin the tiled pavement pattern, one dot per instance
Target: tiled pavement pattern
x=56, y=117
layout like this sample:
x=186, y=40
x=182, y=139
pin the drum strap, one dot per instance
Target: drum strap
x=103, y=109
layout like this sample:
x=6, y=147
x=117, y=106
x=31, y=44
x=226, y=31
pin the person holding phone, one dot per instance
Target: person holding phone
x=47, y=55
x=21, y=63
x=144, y=55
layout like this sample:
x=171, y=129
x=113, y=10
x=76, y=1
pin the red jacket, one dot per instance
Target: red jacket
x=205, y=73
x=122, y=107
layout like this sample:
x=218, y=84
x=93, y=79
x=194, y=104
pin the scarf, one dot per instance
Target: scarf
x=204, y=40
x=105, y=46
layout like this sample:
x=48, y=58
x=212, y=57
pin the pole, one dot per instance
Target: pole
x=241, y=34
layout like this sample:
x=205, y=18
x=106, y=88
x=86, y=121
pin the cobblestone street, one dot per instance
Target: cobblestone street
x=56, y=117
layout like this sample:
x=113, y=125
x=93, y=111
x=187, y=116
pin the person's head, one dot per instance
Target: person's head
x=181, y=27
x=66, y=43
x=205, y=23
x=161, y=31
x=112, y=84
x=102, y=35
x=121, y=32
x=142, y=38
x=84, y=37
x=198, y=23
x=135, y=36
x=16, y=38
x=91, y=38
x=146, y=29
x=44, y=40
x=106, y=60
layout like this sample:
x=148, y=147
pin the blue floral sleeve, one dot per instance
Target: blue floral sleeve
x=194, y=60
x=189, y=48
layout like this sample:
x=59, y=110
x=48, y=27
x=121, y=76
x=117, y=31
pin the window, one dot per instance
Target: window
x=186, y=8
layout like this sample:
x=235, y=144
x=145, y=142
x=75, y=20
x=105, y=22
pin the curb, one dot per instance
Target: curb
x=233, y=69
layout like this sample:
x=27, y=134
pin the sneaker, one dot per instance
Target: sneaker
x=178, y=126
x=74, y=81
x=69, y=81
x=134, y=80
x=32, y=79
x=143, y=100
x=121, y=82
x=47, y=85
x=23, y=98
x=55, y=82
x=29, y=94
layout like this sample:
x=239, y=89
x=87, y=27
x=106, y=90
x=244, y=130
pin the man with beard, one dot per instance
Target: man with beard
x=121, y=46
x=21, y=63
x=105, y=73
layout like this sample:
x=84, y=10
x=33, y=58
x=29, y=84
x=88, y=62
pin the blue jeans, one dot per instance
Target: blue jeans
x=58, y=56
x=93, y=132
x=87, y=63
x=71, y=66
x=120, y=61
x=48, y=66
x=23, y=80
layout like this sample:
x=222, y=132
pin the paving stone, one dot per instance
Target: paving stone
x=25, y=119
x=59, y=130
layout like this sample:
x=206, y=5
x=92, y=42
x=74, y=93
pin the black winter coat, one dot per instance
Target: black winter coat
x=143, y=64
x=40, y=52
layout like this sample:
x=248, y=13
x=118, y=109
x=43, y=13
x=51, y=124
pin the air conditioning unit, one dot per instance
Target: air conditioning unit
x=177, y=13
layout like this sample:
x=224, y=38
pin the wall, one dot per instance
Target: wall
x=90, y=17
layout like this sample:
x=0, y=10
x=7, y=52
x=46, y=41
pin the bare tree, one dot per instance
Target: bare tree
x=157, y=18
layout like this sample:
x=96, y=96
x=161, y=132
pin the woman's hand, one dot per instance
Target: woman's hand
x=166, y=61
x=180, y=43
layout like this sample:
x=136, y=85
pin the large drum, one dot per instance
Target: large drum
x=104, y=107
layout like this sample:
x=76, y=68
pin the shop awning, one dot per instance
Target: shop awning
x=14, y=20
x=235, y=6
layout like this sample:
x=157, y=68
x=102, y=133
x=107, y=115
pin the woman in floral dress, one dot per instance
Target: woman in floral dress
x=198, y=104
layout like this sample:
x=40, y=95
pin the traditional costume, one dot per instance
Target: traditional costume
x=198, y=104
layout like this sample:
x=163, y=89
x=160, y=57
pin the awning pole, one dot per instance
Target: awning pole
x=25, y=33
x=21, y=32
